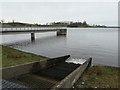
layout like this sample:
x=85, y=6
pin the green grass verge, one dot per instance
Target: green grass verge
x=11, y=57
x=99, y=77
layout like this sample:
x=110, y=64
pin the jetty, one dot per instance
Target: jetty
x=33, y=30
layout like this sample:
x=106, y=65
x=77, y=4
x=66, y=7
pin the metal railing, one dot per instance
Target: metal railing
x=30, y=28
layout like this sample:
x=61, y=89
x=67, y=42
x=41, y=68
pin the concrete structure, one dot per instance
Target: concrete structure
x=62, y=32
x=33, y=30
x=14, y=71
x=69, y=81
x=51, y=74
x=32, y=36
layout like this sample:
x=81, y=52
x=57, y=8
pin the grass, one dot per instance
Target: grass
x=94, y=77
x=12, y=57
x=99, y=77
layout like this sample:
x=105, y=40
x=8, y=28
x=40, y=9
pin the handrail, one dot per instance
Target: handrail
x=30, y=28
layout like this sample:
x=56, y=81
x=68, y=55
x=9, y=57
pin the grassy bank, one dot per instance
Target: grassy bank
x=11, y=57
x=94, y=77
x=99, y=77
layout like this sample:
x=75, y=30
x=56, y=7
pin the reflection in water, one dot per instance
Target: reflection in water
x=101, y=44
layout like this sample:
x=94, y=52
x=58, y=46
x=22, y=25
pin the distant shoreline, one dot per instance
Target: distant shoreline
x=93, y=27
x=55, y=24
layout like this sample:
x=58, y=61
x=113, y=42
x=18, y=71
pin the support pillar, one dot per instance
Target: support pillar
x=32, y=36
x=62, y=32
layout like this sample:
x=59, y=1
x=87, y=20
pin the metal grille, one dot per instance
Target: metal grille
x=46, y=78
x=8, y=84
x=59, y=71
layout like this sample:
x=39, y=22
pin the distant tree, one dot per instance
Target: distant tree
x=85, y=23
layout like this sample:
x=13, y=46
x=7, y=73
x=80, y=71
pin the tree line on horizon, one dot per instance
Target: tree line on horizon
x=52, y=24
x=70, y=24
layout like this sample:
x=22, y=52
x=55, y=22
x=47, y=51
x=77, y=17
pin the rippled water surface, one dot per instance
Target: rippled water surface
x=99, y=43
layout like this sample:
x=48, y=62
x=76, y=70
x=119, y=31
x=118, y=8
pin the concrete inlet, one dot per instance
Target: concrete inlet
x=52, y=74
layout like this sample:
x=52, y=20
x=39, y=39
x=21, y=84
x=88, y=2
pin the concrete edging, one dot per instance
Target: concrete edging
x=69, y=80
x=16, y=71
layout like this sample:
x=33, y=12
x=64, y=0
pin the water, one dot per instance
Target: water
x=99, y=43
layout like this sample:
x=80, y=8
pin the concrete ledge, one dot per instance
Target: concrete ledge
x=16, y=71
x=69, y=80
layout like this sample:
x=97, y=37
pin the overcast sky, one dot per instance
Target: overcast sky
x=103, y=13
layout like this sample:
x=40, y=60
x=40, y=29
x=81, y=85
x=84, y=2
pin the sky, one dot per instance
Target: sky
x=101, y=13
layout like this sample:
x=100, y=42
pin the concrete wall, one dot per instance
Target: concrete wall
x=16, y=71
x=54, y=61
x=69, y=80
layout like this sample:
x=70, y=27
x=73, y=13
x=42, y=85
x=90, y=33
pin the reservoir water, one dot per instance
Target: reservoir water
x=99, y=43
